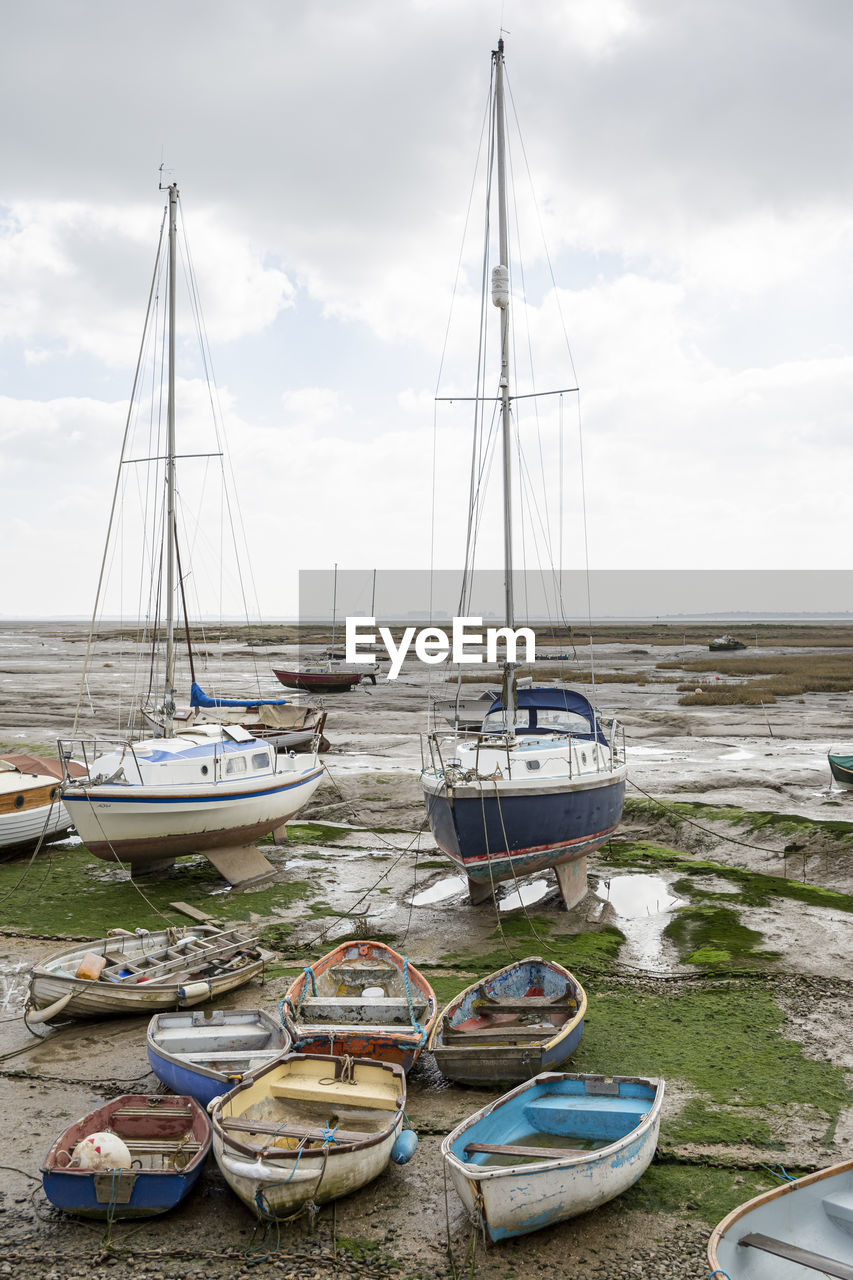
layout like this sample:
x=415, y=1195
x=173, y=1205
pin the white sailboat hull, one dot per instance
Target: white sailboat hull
x=147, y=824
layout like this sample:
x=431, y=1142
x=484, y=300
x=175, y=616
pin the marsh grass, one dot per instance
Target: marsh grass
x=766, y=676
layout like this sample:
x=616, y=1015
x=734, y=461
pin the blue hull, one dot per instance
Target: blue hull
x=96, y=1195
x=185, y=1080
x=496, y=837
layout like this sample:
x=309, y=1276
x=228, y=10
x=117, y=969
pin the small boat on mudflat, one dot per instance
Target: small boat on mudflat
x=725, y=644
x=803, y=1228
x=841, y=765
x=30, y=807
x=525, y=1018
x=142, y=972
x=322, y=680
x=205, y=1052
x=144, y=1156
x=554, y=1147
x=362, y=999
x=309, y=1127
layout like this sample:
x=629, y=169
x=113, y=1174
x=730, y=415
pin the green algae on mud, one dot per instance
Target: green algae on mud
x=681, y=812
x=753, y=888
x=691, y=1191
x=65, y=891
x=517, y=937
x=724, y=1040
x=713, y=936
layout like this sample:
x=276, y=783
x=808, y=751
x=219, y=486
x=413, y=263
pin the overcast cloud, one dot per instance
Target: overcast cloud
x=690, y=166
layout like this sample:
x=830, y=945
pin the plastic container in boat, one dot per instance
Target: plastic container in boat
x=90, y=966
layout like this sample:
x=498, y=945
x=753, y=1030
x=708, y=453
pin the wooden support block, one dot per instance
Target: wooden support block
x=241, y=866
x=193, y=912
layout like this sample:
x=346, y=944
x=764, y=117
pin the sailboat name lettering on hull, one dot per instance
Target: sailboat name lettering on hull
x=432, y=644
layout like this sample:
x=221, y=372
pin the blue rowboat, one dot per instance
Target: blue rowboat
x=205, y=1053
x=554, y=1147
x=527, y=1017
x=802, y=1228
x=167, y=1141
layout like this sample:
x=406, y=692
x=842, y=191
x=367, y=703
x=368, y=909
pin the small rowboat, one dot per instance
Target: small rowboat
x=206, y=1052
x=142, y=972
x=525, y=1018
x=841, y=765
x=166, y=1141
x=800, y=1229
x=321, y=681
x=309, y=1127
x=554, y=1147
x=362, y=999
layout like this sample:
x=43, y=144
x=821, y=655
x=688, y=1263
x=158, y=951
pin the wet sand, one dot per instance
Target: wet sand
x=758, y=760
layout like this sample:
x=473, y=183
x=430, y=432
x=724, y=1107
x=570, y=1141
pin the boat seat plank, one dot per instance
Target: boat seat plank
x=339, y=1091
x=191, y=1040
x=794, y=1253
x=504, y=1031
x=313, y=1132
x=392, y=1004
x=839, y=1205
x=524, y=1005
x=507, y=1149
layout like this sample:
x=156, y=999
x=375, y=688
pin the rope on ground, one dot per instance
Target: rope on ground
x=691, y=822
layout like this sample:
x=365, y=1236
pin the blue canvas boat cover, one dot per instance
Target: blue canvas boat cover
x=550, y=698
x=198, y=698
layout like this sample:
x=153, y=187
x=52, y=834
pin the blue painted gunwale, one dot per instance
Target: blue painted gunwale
x=120, y=796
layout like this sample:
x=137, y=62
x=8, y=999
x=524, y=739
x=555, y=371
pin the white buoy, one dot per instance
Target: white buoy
x=101, y=1151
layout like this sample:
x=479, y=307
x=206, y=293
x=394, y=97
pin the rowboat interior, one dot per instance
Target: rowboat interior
x=556, y=1120
x=362, y=990
x=162, y=1134
x=520, y=1007
x=135, y=958
x=309, y=1103
x=228, y=1041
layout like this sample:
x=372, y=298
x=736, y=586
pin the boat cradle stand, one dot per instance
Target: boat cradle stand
x=241, y=865
x=571, y=878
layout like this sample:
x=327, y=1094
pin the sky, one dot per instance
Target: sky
x=688, y=226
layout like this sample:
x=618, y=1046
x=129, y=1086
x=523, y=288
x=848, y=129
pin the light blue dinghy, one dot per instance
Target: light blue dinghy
x=555, y=1147
x=801, y=1229
x=204, y=1053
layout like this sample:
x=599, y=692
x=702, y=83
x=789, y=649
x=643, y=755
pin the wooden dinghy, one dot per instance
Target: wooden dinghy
x=165, y=1143
x=204, y=1053
x=527, y=1017
x=142, y=972
x=801, y=1229
x=362, y=999
x=308, y=1127
x=554, y=1147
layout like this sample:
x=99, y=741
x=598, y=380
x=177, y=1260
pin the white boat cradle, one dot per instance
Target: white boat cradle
x=142, y=972
x=30, y=807
x=554, y=1147
x=800, y=1229
x=309, y=1127
x=216, y=790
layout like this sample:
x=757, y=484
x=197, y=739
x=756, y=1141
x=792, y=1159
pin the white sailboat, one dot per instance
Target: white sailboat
x=542, y=785
x=214, y=790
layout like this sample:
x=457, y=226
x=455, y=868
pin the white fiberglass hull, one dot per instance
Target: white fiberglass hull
x=144, y=824
x=23, y=829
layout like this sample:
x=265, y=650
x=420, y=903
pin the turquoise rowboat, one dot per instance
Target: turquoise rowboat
x=841, y=766
x=555, y=1147
x=803, y=1228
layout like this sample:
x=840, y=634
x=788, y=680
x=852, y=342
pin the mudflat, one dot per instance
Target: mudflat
x=714, y=945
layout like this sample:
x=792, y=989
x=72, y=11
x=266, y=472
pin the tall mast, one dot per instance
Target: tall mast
x=169, y=692
x=500, y=297
x=503, y=303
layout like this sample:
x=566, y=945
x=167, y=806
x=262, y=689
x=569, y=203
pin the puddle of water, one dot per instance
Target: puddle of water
x=633, y=897
x=524, y=895
x=643, y=904
x=438, y=892
x=738, y=754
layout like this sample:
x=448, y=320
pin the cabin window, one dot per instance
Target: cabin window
x=204, y=768
x=19, y=802
x=533, y=765
x=260, y=760
x=235, y=764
